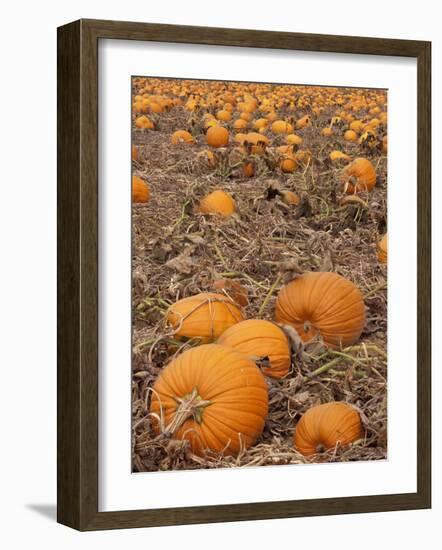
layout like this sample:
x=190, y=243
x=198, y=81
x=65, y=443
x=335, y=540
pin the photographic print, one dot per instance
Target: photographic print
x=259, y=274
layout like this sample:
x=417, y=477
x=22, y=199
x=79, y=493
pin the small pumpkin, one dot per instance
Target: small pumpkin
x=218, y=202
x=212, y=396
x=205, y=316
x=140, y=190
x=289, y=197
x=327, y=132
x=260, y=123
x=304, y=122
x=248, y=169
x=260, y=339
x=322, y=304
x=358, y=176
x=224, y=115
x=240, y=124
x=144, y=123
x=181, y=136
x=356, y=126
x=350, y=135
x=293, y=139
x=217, y=136
x=337, y=156
x=281, y=127
x=383, y=249
x=325, y=426
x=288, y=164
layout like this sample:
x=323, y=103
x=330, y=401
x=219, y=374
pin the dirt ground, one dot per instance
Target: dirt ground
x=178, y=252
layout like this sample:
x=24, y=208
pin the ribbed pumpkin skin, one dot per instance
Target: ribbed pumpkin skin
x=324, y=426
x=383, y=249
x=140, y=190
x=258, y=339
x=233, y=384
x=358, y=176
x=205, y=316
x=324, y=303
x=218, y=202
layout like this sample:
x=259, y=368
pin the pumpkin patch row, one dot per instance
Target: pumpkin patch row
x=223, y=115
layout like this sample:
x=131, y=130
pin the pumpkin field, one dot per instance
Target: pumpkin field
x=259, y=274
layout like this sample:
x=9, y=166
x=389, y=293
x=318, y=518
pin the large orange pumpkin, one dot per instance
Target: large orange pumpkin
x=325, y=426
x=358, y=176
x=213, y=397
x=217, y=136
x=324, y=304
x=217, y=202
x=140, y=190
x=260, y=340
x=205, y=316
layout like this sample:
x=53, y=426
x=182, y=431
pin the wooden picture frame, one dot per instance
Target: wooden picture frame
x=78, y=274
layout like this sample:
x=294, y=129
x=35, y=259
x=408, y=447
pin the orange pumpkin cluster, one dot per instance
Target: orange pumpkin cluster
x=317, y=305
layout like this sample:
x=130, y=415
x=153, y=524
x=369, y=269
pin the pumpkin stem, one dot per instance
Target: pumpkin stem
x=190, y=406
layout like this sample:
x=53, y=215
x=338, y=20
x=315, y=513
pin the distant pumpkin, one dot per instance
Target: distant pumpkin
x=144, y=123
x=350, y=135
x=281, y=127
x=304, y=122
x=288, y=164
x=337, y=156
x=140, y=190
x=217, y=202
x=217, y=136
x=383, y=249
x=181, y=136
x=293, y=139
x=289, y=197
